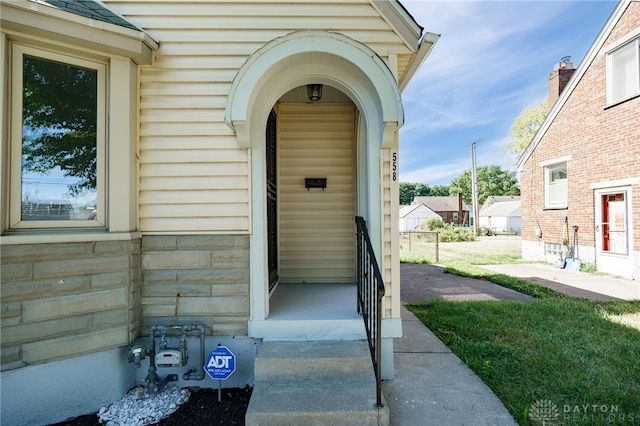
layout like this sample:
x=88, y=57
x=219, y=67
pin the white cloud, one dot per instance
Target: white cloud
x=484, y=48
x=438, y=174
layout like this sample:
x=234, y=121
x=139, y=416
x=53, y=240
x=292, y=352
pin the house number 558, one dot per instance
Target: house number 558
x=394, y=166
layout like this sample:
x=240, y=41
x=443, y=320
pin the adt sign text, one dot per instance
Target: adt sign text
x=221, y=363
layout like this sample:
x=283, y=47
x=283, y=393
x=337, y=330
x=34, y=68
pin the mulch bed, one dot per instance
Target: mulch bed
x=202, y=409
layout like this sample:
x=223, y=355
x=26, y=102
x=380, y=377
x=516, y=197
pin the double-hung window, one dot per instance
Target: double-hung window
x=623, y=72
x=58, y=135
x=555, y=188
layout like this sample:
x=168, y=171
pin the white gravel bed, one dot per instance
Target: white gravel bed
x=137, y=409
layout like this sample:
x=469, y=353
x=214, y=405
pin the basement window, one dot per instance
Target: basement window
x=553, y=249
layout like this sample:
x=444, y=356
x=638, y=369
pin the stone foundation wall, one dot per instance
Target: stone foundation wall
x=196, y=279
x=61, y=300
x=66, y=299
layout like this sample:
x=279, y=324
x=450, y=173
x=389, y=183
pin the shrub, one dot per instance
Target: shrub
x=588, y=267
x=448, y=233
x=451, y=234
x=434, y=224
x=486, y=232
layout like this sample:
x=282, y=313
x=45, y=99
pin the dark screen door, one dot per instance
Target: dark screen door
x=272, y=200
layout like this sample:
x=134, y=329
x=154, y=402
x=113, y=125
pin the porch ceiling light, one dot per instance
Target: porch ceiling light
x=314, y=91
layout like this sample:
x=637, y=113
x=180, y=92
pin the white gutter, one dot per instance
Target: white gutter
x=427, y=43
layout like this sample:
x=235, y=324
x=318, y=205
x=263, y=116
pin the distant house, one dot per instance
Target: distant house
x=498, y=199
x=452, y=210
x=582, y=168
x=414, y=215
x=501, y=216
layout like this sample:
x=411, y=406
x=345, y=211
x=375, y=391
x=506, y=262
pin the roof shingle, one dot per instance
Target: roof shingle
x=89, y=9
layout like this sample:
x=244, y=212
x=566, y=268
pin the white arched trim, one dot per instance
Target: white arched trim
x=313, y=57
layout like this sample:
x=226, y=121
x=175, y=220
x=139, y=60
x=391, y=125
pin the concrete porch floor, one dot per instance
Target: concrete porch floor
x=313, y=301
x=311, y=312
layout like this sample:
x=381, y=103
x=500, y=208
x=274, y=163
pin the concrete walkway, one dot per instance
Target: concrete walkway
x=432, y=386
x=573, y=283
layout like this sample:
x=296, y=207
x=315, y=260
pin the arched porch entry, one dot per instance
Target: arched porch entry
x=289, y=62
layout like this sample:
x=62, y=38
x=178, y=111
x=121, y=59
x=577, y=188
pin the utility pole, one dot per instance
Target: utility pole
x=474, y=188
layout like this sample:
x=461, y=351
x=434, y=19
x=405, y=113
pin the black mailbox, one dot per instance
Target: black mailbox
x=315, y=183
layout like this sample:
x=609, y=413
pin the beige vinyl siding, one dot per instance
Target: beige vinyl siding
x=316, y=227
x=193, y=176
x=403, y=64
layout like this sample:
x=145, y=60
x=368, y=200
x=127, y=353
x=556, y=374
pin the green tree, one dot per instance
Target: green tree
x=440, y=190
x=524, y=127
x=410, y=190
x=462, y=183
x=59, y=121
x=492, y=180
x=406, y=190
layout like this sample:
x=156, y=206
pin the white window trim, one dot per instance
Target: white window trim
x=622, y=41
x=554, y=161
x=547, y=183
x=609, y=71
x=615, y=183
x=120, y=156
x=15, y=214
x=628, y=194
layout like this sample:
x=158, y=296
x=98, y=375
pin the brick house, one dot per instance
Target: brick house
x=195, y=129
x=582, y=169
x=452, y=210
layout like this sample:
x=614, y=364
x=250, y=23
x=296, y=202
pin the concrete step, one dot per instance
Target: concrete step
x=323, y=362
x=285, y=405
x=309, y=329
x=317, y=382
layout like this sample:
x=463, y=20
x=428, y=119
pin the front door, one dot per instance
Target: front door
x=272, y=200
x=613, y=231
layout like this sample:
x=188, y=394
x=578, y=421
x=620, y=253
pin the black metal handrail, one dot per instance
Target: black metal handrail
x=370, y=294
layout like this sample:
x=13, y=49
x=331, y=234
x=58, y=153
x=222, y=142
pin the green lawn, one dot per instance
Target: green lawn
x=554, y=353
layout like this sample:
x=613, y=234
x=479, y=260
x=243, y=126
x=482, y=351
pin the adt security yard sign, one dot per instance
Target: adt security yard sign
x=221, y=363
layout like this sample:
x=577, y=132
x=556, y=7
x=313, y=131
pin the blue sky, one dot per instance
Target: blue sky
x=492, y=60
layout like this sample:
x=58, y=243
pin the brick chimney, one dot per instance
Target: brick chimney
x=559, y=78
x=460, y=211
